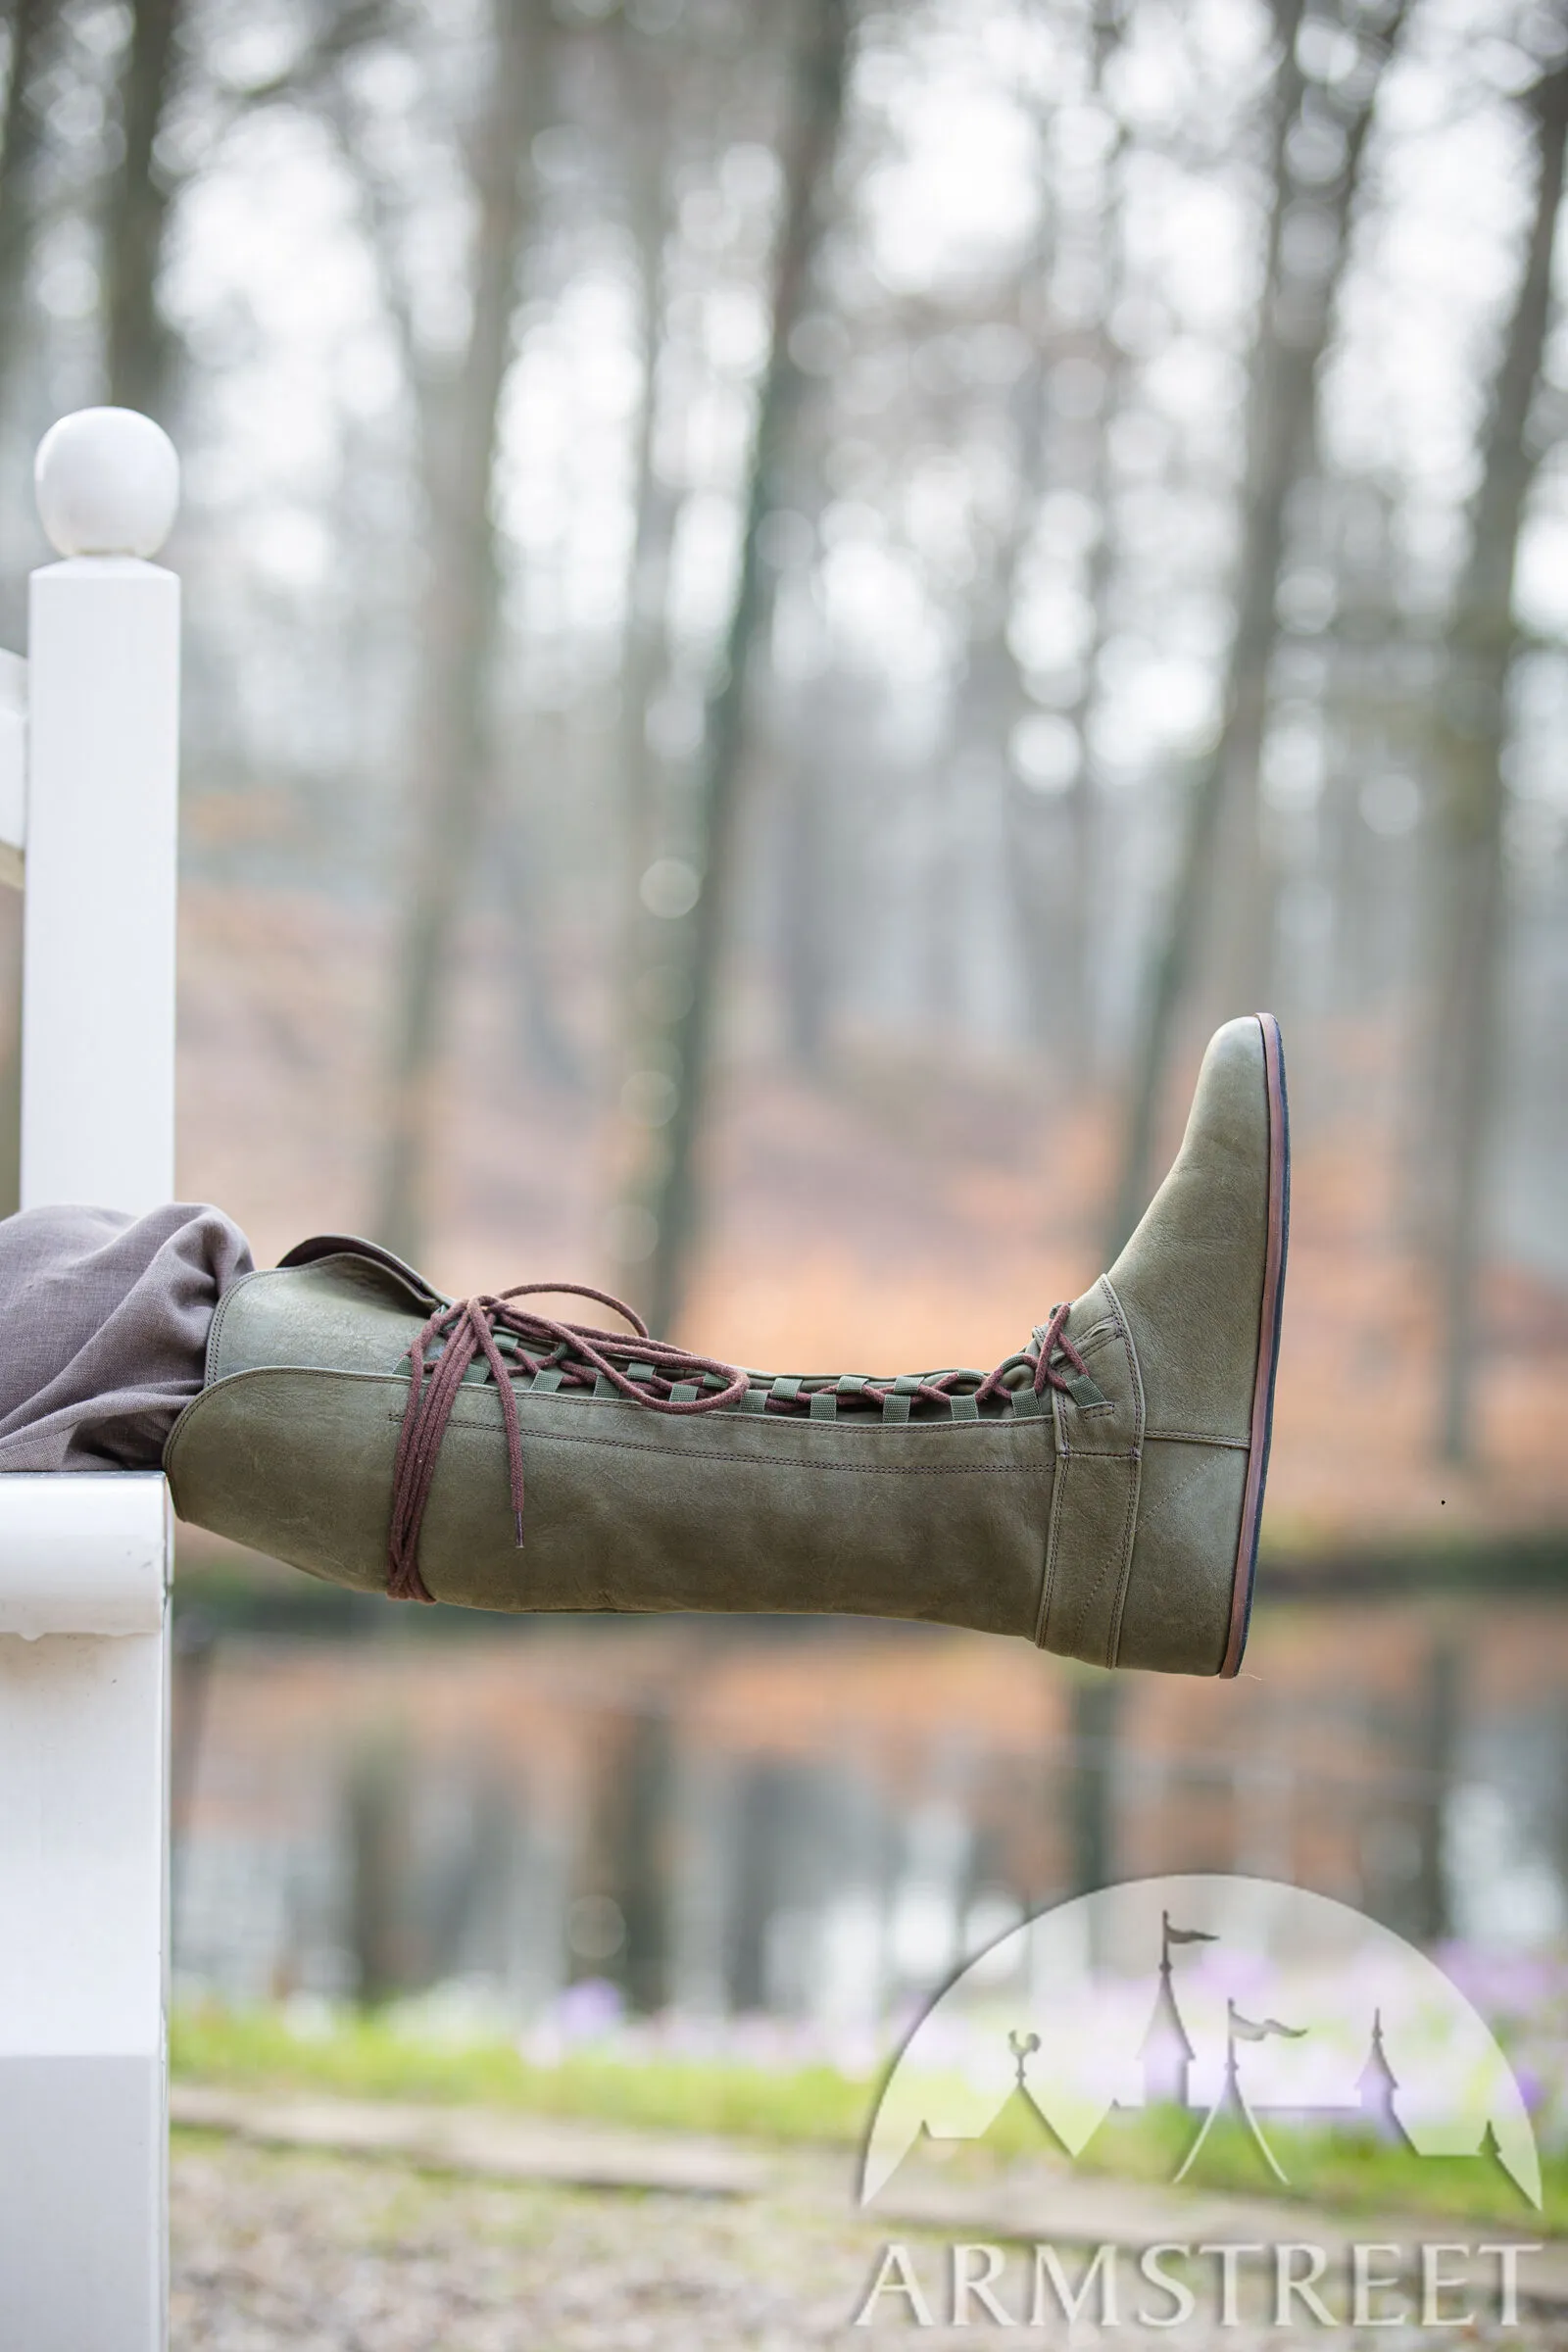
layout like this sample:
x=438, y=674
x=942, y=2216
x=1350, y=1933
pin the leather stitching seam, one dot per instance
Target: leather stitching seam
x=1130, y=1521
x=566, y=1436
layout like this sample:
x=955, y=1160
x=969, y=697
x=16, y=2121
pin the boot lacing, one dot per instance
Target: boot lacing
x=644, y=1370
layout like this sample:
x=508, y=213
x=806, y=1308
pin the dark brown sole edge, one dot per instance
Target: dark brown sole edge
x=1270, y=1312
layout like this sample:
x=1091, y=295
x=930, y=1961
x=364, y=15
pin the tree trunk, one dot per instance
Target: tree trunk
x=545, y=1049
x=139, y=351
x=137, y=344
x=1296, y=313
x=1095, y=1718
x=19, y=150
x=671, y=1194
x=641, y=1844
x=1438, y=1728
x=1056, y=890
x=1078, y=956
x=807, y=961
x=379, y=1835
x=645, y=651
x=451, y=735
x=20, y=132
x=986, y=703
x=1471, y=727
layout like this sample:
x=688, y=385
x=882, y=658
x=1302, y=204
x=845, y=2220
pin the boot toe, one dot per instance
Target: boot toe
x=1197, y=1293
x=1202, y=1283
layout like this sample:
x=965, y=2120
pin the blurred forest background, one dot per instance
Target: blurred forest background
x=785, y=604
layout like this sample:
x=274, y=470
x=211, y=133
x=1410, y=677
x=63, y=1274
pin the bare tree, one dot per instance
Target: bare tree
x=451, y=746
x=1472, y=730
x=808, y=963
x=136, y=355
x=20, y=140
x=1055, y=893
x=1300, y=280
x=648, y=105
x=684, y=1020
x=20, y=137
x=142, y=186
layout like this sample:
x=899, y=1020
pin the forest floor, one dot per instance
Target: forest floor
x=323, y=2252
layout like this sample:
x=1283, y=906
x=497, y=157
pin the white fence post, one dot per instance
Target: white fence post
x=98, y=976
x=84, y=1561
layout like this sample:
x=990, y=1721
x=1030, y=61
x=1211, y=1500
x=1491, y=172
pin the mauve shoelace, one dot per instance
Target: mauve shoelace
x=644, y=1370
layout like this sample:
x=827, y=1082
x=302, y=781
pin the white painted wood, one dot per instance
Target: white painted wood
x=84, y=1895
x=83, y=2197
x=108, y=483
x=83, y=1555
x=81, y=1732
x=84, y=1561
x=98, y=966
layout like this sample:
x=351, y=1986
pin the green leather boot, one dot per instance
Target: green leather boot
x=1098, y=1493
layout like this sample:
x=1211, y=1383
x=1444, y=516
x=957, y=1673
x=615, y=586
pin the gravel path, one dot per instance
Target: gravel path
x=321, y=2253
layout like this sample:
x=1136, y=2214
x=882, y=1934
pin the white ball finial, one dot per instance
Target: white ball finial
x=107, y=483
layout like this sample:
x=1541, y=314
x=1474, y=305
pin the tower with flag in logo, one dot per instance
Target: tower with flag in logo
x=1166, y=2052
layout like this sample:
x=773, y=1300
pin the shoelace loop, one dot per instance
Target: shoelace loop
x=644, y=1370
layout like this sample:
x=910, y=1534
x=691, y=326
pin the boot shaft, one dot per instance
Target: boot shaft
x=1100, y=1493
x=930, y=1518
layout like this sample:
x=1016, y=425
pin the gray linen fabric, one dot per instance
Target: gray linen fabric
x=103, y=1330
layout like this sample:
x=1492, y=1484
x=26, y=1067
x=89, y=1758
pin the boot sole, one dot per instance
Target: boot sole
x=1268, y=1342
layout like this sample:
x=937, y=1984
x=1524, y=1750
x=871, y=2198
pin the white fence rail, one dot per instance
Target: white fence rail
x=88, y=759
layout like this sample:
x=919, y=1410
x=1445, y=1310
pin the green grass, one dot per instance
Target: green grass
x=1346, y=2170
x=368, y=2057
x=371, y=2057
